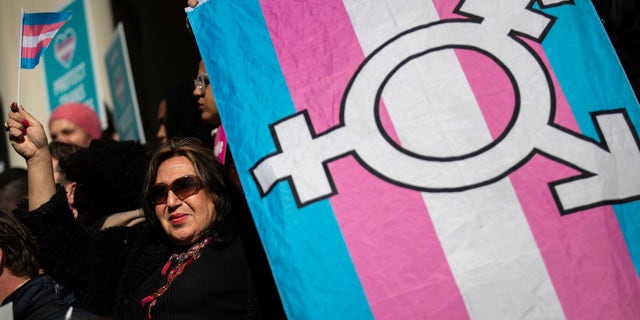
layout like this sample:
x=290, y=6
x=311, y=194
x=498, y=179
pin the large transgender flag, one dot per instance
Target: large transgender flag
x=37, y=31
x=432, y=159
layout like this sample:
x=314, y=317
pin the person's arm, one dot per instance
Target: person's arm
x=28, y=138
x=126, y=219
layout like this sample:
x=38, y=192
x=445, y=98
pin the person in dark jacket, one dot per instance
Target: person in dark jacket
x=32, y=295
x=185, y=262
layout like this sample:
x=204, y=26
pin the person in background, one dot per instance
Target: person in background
x=161, y=134
x=187, y=262
x=74, y=123
x=110, y=132
x=179, y=115
x=108, y=178
x=206, y=101
x=60, y=151
x=32, y=295
x=13, y=188
x=103, y=182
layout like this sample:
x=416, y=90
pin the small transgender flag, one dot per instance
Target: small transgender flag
x=37, y=31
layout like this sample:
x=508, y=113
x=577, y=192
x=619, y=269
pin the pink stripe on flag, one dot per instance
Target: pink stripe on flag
x=32, y=52
x=389, y=234
x=585, y=253
x=395, y=247
x=37, y=29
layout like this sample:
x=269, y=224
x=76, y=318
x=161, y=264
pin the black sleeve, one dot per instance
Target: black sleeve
x=88, y=262
x=263, y=283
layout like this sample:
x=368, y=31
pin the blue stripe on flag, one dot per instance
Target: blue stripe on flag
x=236, y=47
x=30, y=63
x=39, y=18
x=606, y=73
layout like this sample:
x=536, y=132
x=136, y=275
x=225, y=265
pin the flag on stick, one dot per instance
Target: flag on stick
x=37, y=31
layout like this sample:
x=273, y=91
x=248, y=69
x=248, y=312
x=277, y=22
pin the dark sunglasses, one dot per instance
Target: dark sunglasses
x=183, y=188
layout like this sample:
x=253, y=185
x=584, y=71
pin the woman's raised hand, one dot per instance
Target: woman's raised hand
x=26, y=134
x=28, y=138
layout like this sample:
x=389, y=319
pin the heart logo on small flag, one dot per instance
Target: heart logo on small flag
x=64, y=47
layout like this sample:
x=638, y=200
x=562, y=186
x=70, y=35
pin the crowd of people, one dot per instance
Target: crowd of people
x=115, y=230
x=124, y=232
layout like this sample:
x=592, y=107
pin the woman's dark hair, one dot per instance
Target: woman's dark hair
x=110, y=176
x=212, y=176
x=11, y=175
x=19, y=248
x=62, y=151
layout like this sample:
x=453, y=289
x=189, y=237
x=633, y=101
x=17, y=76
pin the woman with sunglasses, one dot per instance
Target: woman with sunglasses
x=186, y=262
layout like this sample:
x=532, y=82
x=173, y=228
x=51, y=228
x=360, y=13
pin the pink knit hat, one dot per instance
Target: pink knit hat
x=80, y=114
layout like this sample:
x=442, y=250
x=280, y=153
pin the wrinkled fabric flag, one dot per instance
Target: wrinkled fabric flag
x=38, y=29
x=434, y=159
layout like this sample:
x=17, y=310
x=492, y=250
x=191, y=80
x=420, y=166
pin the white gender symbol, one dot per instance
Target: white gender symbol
x=302, y=155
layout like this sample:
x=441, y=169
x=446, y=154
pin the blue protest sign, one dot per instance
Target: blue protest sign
x=123, y=92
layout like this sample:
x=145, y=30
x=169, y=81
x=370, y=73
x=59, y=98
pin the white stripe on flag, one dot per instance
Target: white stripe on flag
x=484, y=233
x=32, y=41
